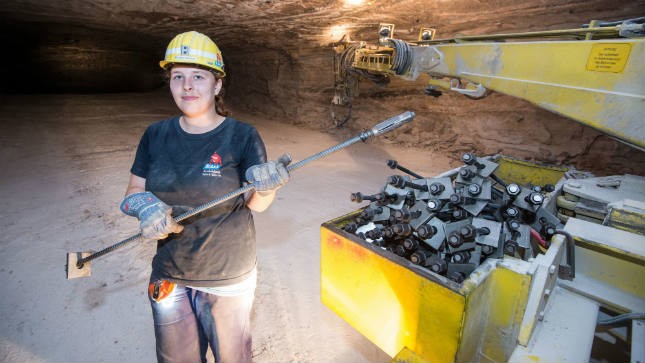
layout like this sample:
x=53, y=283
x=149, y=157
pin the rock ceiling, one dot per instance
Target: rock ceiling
x=293, y=23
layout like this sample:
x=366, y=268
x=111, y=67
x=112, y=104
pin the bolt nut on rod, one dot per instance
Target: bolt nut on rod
x=78, y=263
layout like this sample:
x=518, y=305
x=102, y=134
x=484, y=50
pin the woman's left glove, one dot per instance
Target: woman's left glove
x=154, y=215
x=271, y=175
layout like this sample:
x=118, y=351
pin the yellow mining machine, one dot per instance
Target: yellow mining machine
x=578, y=286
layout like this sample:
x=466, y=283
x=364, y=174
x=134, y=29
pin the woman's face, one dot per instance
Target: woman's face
x=194, y=90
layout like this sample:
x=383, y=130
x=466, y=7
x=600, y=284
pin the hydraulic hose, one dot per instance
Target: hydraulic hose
x=381, y=128
x=402, y=56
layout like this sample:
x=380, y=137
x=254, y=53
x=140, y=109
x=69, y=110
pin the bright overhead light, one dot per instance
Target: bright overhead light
x=337, y=31
x=353, y=2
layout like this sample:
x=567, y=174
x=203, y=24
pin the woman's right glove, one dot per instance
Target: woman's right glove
x=154, y=215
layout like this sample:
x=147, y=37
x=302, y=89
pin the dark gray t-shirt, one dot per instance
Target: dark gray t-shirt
x=216, y=247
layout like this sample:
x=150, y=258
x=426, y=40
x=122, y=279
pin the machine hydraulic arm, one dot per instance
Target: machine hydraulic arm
x=594, y=75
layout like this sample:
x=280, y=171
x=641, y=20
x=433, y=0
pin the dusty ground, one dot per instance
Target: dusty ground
x=64, y=164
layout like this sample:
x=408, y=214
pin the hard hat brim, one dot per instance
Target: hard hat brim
x=166, y=65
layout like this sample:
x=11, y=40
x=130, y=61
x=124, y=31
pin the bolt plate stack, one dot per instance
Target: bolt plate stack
x=451, y=224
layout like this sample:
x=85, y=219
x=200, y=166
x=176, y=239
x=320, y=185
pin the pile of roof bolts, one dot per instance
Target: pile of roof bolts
x=451, y=224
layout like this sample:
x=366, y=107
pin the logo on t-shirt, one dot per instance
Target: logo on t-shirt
x=213, y=166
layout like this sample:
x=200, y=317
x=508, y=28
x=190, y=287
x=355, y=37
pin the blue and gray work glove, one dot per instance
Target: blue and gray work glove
x=154, y=215
x=271, y=175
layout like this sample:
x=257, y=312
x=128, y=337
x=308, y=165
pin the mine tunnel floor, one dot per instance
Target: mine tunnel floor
x=65, y=163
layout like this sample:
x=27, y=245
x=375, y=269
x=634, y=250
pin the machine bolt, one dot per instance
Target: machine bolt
x=359, y=197
x=510, y=247
x=454, y=239
x=403, y=215
x=393, y=164
x=514, y=225
x=470, y=159
x=434, y=205
x=487, y=250
x=512, y=212
x=436, y=188
x=399, y=182
x=456, y=199
x=410, y=199
x=420, y=257
x=547, y=292
x=467, y=173
x=513, y=190
x=474, y=189
x=535, y=198
x=426, y=231
x=459, y=214
x=552, y=269
x=374, y=234
x=350, y=227
x=411, y=244
x=369, y=213
x=461, y=257
x=395, y=230
x=438, y=265
x=469, y=231
x=400, y=250
x=548, y=230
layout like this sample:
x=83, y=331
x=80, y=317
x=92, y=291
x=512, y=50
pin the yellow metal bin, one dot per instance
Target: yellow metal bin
x=409, y=311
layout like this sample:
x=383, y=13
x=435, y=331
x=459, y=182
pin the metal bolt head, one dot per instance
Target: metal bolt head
x=458, y=214
x=410, y=244
x=536, y=198
x=455, y=198
x=509, y=247
x=417, y=258
x=433, y=205
x=514, y=225
x=468, y=158
x=436, y=188
x=474, y=189
x=467, y=173
x=468, y=231
x=426, y=231
x=512, y=212
x=454, y=239
x=513, y=189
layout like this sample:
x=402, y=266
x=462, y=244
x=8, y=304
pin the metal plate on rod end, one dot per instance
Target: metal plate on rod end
x=475, y=208
x=73, y=271
x=495, y=228
x=448, y=190
x=437, y=240
x=425, y=216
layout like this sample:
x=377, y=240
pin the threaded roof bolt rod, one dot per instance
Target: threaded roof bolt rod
x=78, y=262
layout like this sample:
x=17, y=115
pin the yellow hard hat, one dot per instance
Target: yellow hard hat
x=194, y=48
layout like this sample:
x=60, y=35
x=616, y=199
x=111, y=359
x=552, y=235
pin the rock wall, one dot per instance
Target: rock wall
x=295, y=82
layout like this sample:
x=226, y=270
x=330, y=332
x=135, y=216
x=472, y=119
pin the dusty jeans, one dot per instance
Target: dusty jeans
x=188, y=320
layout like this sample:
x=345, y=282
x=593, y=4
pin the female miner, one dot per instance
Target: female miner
x=204, y=271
